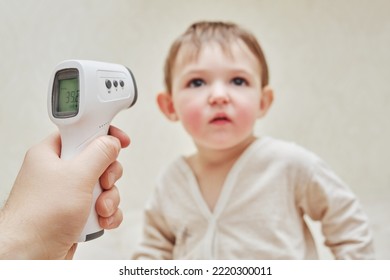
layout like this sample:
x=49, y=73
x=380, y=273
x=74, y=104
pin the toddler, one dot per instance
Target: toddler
x=240, y=196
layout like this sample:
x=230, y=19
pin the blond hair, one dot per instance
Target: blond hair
x=222, y=33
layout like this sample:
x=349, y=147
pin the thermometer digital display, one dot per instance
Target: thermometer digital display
x=84, y=96
x=66, y=93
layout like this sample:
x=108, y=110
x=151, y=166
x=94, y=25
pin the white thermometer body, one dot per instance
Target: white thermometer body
x=84, y=96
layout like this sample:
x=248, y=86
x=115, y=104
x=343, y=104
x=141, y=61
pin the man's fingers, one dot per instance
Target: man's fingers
x=97, y=156
x=112, y=174
x=107, y=203
x=113, y=221
x=122, y=136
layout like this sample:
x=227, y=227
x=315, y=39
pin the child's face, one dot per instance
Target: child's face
x=218, y=95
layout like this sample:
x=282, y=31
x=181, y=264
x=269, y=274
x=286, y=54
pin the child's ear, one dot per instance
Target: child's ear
x=165, y=103
x=267, y=97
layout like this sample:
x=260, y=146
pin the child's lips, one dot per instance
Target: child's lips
x=220, y=119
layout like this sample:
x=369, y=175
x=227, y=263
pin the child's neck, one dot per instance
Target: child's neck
x=209, y=158
x=211, y=167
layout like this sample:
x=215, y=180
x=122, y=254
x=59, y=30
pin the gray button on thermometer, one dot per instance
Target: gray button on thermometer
x=82, y=105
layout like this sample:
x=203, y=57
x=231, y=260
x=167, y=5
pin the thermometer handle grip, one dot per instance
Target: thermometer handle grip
x=70, y=148
x=92, y=229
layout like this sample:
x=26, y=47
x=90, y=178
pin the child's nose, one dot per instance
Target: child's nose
x=219, y=95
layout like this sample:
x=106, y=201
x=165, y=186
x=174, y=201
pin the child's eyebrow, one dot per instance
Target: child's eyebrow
x=199, y=71
x=194, y=71
x=242, y=71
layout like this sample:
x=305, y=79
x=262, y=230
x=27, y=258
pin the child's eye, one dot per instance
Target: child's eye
x=196, y=83
x=239, y=82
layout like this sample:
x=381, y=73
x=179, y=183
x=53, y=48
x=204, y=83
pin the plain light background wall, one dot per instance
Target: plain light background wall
x=329, y=63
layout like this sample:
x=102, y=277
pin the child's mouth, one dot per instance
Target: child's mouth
x=220, y=119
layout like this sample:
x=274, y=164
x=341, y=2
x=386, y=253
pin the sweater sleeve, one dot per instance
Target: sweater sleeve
x=325, y=198
x=157, y=241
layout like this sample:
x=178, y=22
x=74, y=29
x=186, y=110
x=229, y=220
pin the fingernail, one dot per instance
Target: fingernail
x=109, y=204
x=111, y=178
x=109, y=221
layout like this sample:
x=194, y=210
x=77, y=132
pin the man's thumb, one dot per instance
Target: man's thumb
x=97, y=156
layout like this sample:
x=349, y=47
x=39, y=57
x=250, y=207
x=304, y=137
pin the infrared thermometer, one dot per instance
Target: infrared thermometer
x=84, y=96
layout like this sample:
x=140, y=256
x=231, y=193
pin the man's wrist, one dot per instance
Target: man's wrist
x=6, y=243
x=13, y=242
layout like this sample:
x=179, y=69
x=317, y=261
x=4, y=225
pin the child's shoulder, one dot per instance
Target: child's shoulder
x=287, y=152
x=176, y=168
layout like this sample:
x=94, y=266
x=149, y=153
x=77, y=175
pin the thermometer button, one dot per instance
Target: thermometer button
x=108, y=84
x=122, y=83
x=115, y=83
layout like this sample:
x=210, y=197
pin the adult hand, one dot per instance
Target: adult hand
x=51, y=198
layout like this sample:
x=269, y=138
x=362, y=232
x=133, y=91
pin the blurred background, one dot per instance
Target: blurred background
x=329, y=63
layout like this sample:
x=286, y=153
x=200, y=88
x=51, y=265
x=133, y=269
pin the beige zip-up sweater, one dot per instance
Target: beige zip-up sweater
x=259, y=214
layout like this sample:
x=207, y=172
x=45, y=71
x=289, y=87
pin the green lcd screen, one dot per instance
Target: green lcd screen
x=68, y=96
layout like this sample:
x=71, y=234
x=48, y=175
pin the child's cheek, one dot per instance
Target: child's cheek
x=192, y=118
x=247, y=115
